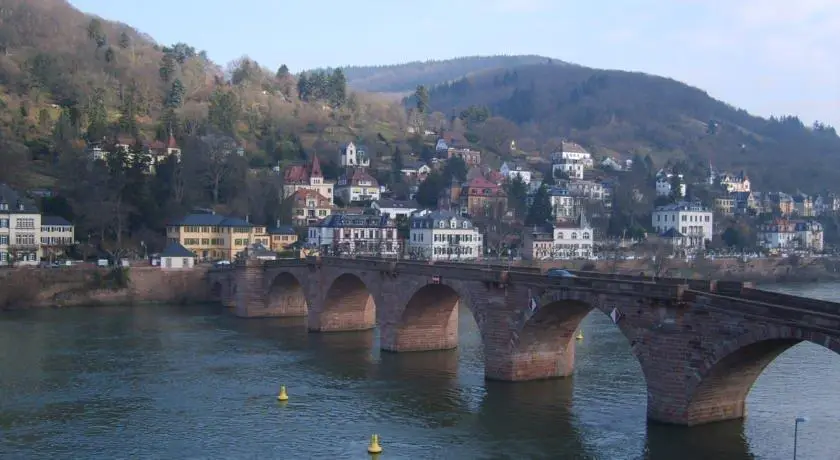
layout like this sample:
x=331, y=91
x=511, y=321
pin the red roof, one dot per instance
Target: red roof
x=300, y=174
x=316, y=167
x=360, y=175
x=172, y=144
x=301, y=195
x=481, y=182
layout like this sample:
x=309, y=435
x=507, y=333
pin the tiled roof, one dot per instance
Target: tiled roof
x=176, y=250
x=302, y=194
x=671, y=233
x=360, y=175
x=389, y=203
x=212, y=220
x=54, y=221
x=572, y=147
x=282, y=230
x=300, y=174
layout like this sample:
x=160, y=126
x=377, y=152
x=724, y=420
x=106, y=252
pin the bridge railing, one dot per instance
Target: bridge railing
x=792, y=301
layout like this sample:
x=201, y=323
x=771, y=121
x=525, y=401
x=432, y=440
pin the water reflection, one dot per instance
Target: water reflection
x=533, y=418
x=724, y=440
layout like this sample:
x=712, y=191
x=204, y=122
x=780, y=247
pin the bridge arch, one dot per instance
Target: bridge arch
x=286, y=296
x=216, y=291
x=347, y=305
x=723, y=381
x=428, y=319
x=543, y=345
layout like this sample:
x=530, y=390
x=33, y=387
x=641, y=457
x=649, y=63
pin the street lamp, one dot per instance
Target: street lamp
x=796, y=432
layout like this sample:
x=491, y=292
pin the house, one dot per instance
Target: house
x=281, y=237
x=20, y=229
x=308, y=207
x=357, y=185
x=395, y=208
x=735, y=183
x=353, y=156
x=470, y=157
x=309, y=178
x=780, y=202
x=827, y=204
x=443, y=235
x=786, y=234
x=569, y=151
x=213, y=236
x=355, y=234
x=725, y=205
x=586, y=189
x=57, y=234
x=664, y=179
x=568, y=239
x=803, y=205
x=745, y=202
x=692, y=220
x=257, y=251
x=510, y=171
x=416, y=170
x=176, y=257
x=609, y=163
x=441, y=146
x=476, y=198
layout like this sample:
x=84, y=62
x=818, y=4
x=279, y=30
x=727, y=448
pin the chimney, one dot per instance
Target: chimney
x=248, y=218
x=277, y=223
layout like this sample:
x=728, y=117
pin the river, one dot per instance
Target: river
x=195, y=382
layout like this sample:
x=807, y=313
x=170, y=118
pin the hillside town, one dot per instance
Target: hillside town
x=552, y=206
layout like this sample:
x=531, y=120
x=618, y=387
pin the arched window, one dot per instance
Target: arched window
x=574, y=235
x=586, y=236
x=442, y=224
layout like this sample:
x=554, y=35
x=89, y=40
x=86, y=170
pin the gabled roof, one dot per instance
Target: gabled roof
x=15, y=200
x=671, y=233
x=176, y=250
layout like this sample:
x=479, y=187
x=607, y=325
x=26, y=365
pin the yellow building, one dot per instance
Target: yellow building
x=307, y=178
x=215, y=237
x=282, y=237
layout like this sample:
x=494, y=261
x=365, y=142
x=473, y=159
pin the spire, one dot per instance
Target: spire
x=316, y=168
x=172, y=143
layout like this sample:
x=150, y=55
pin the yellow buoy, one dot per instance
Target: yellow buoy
x=579, y=335
x=283, y=396
x=374, y=447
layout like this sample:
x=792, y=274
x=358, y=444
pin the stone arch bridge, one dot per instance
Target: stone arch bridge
x=700, y=344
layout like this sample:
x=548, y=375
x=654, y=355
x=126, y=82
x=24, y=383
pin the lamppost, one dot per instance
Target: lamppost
x=796, y=432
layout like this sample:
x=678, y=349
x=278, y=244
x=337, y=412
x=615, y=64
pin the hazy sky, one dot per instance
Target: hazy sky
x=767, y=56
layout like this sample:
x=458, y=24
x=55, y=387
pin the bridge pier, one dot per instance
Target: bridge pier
x=530, y=365
x=433, y=329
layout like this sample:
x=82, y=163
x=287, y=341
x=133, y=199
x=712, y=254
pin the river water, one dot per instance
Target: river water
x=195, y=382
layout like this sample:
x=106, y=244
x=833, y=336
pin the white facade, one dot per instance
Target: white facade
x=569, y=241
x=573, y=153
x=693, y=221
x=20, y=229
x=571, y=168
x=663, y=184
x=353, y=156
x=586, y=189
x=357, y=186
x=356, y=234
x=177, y=263
x=443, y=235
x=395, y=208
x=511, y=172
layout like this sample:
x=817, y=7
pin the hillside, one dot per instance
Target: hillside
x=623, y=113
x=68, y=79
x=400, y=78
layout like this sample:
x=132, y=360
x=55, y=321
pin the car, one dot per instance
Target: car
x=560, y=273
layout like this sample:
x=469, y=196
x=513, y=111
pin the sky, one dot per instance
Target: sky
x=770, y=57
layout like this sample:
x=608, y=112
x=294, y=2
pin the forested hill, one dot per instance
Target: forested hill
x=624, y=113
x=399, y=78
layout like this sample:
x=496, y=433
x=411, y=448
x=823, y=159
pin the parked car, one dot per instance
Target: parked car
x=560, y=273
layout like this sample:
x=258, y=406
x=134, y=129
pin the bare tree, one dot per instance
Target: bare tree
x=660, y=253
x=214, y=161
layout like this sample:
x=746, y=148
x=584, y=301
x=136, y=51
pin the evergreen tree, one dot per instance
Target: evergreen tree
x=540, y=211
x=167, y=67
x=337, y=88
x=125, y=41
x=455, y=167
x=429, y=191
x=109, y=55
x=517, y=193
x=421, y=95
x=97, y=116
x=676, y=187
x=175, y=97
x=282, y=72
x=128, y=112
x=224, y=111
x=304, y=88
x=397, y=164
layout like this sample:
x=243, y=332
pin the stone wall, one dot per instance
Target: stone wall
x=77, y=286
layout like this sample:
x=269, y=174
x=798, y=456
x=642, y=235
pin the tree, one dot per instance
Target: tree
x=421, y=95
x=517, y=193
x=214, y=155
x=676, y=187
x=282, y=72
x=430, y=189
x=540, y=211
x=175, y=97
x=397, y=165
x=304, y=88
x=167, y=67
x=109, y=55
x=337, y=93
x=125, y=41
x=455, y=168
x=223, y=112
x=97, y=116
x=96, y=34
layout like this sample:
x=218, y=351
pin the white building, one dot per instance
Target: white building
x=357, y=185
x=567, y=240
x=176, y=257
x=573, y=169
x=572, y=152
x=355, y=234
x=443, y=235
x=511, y=171
x=663, y=183
x=353, y=156
x=395, y=208
x=791, y=234
x=693, y=221
x=20, y=229
x=586, y=189
x=57, y=234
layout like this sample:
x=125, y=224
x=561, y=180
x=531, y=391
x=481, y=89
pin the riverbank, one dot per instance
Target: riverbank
x=22, y=288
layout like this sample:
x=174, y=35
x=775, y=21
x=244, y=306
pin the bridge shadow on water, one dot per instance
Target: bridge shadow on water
x=723, y=440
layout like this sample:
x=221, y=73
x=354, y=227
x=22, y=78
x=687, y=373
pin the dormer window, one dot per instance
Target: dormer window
x=466, y=224
x=453, y=224
x=442, y=224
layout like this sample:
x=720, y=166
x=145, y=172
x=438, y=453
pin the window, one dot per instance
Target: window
x=442, y=224
x=25, y=239
x=25, y=222
x=707, y=218
x=4, y=239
